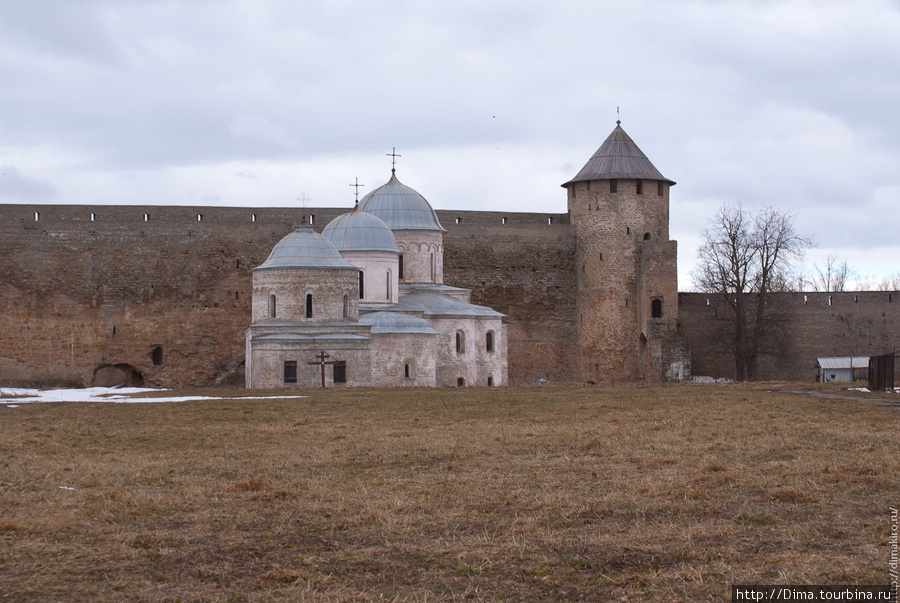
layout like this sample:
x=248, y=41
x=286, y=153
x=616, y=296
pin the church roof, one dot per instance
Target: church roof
x=438, y=304
x=304, y=248
x=360, y=231
x=401, y=207
x=618, y=157
x=396, y=322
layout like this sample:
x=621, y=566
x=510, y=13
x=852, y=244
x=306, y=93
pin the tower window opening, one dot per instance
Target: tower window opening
x=646, y=236
x=550, y=220
x=406, y=372
x=253, y=217
x=157, y=356
x=290, y=371
x=312, y=218
x=146, y=217
x=362, y=283
x=37, y=216
x=613, y=186
x=829, y=300
x=503, y=220
x=656, y=308
x=639, y=186
x=309, y=305
x=237, y=264
x=627, y=230
x=458, y=220
x=660, y=188
x=272, y=305
x=92, y=216
x=387, y=293
x=489, y=341
x=199, y=217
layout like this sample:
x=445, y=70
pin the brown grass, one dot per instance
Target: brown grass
x=665, y=494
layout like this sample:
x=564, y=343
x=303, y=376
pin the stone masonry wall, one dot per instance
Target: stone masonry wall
x=809, y=326
x=84, y=288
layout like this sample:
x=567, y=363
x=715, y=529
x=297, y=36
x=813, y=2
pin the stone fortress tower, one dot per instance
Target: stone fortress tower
x=627, y=290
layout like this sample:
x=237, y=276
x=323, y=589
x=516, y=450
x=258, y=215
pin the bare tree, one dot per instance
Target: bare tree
x=748, y=252
x=835, y=276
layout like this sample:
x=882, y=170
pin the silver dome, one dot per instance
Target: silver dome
x=360, y=231
x=401, y=207
x=305, y=248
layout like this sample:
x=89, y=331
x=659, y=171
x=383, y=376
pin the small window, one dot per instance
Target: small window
x=146, y=217
x=460, y=382
x=660, y=188
x=312, y=219
x=627, y=230
x=550, y=220
x=490, y=382
x=272, y=312
x=361, y=284
x=37, y=216
x=400, y=267
x=290, y=371
x=253, y=217
x=646, y=236
x=460, y=342
x=340, y=371
x=489, y=341
x=406, y=372
x=199, y=217
x=639, y=186
x=346, y=306
x=459, y=220
x=92, y=216
x=613, y=186
x=503, y=220
x=829, y=300
x=309, y=308
x=656, y=308
x=157, y=356
x=237, y=264
x=387, y=294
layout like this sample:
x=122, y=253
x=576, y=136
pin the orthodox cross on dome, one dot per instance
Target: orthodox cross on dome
x=618, y=117
x=321, y=356
x=393, y=155
x=356, y=185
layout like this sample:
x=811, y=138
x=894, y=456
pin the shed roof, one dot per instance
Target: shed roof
x=618, y=157
x=843, y=362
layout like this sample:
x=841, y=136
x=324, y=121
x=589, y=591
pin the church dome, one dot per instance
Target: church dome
x=304, y=248
x=360, y=231
x=401, y=207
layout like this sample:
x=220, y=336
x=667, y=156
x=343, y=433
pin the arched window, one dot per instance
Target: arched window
x=646, y=236
x=346, y=306
x=460, y=382
x=490, y=382
x=400, y=267
x=387, y=294
x=362, y=280
x=157, y=356
x=656, y=308
x=460, y=342
x=409, y=368
x=272, y=313
x=309, y=309
x=489, y=341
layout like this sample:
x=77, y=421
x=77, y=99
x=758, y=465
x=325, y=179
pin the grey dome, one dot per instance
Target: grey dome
x=618, y=157
x=396, y=322
x=401, y=207
x=360, y=231
x=304, y=248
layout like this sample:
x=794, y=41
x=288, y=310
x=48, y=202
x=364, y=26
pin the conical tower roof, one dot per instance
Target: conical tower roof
x=618, y=157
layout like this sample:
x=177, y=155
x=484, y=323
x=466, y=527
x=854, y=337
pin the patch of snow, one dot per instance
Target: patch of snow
x=122, y=395
x=858, y=389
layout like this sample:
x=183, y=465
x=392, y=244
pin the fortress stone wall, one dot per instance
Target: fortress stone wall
x=164, y=293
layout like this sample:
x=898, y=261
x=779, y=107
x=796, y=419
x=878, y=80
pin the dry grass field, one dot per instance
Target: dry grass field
x=555, y=493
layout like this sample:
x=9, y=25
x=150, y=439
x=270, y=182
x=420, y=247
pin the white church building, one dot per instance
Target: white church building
x=364, y=304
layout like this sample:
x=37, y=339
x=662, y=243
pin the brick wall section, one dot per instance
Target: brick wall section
x=865, y=323
x=78, y=294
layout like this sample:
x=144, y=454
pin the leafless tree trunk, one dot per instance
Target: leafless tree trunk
x=746, y=252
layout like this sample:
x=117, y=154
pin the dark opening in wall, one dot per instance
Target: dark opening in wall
x=290, y=371
x=157, y=356
x=400, y=267
x=613, y=185
x=406, y=372
x=460, y=382
x=656, y=308
x=490, y=382
x=340, y=371
x=362, y=283
x=460, y=342
x=272, y=306
x=639, y=186
x=309, y=305
x=346, y=306
x=660, y=188
x=489, y=341
x=646, y=236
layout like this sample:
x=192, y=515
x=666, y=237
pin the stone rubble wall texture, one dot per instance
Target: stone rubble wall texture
x=80, y=295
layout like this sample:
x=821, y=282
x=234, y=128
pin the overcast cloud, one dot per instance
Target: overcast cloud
x=492, y=105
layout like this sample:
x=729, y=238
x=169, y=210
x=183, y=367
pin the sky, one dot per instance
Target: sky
x=491, y=105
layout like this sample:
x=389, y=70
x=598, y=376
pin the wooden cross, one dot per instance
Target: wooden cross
x=321, y=356
x=356, y=185
x=393, y=155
